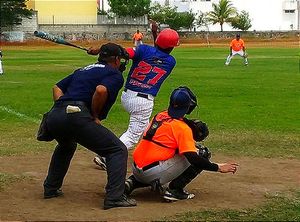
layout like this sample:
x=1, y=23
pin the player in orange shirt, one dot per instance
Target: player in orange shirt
x=137, y=38
x=168, y=152
x=237, y=47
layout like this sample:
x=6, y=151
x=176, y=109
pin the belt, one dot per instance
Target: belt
x=65, y=103
x=151, y=165
x=139, y=94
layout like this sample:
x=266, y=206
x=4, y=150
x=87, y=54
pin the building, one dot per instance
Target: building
x=266, y=15
x=65, y=12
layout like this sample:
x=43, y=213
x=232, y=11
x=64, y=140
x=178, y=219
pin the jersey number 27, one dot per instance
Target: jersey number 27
x=144, y=69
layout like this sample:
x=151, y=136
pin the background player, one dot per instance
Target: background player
x=150, y=68
x=137, y=38
x=154, y=29
x=237, y=47
x=1, y=67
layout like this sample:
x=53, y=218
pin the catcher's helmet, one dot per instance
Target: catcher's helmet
x=182, y=101
x=167, y=38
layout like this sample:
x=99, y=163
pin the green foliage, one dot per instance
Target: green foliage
x=202, y=20
x=169, y=15
x=242, y=21
x=223, y=12
x=101, y=12
x=12, y=11
x=278, y=208
x=133, y=8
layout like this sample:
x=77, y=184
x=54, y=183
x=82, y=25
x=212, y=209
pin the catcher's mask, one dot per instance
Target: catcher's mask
x=182, y=101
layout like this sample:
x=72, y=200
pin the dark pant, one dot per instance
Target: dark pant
x=185, y=178
x=72, y=128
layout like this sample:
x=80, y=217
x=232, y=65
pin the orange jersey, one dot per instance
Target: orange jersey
x=237, y=45
x=137, y=36
x=175, y=134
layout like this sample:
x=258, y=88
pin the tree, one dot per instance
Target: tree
x=223, y=12
x=242, y=21
x=133, y=8
x=12, y=12
x=169, y=15
x=202, y=20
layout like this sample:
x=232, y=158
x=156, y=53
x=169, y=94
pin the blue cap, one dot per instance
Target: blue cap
x=180, y=102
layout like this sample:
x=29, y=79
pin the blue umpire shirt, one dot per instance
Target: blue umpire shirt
x=82, y=83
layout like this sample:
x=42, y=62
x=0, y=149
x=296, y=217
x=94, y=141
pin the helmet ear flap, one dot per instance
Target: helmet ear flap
x=193, y=99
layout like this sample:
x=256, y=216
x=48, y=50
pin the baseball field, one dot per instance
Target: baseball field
x=253, y=113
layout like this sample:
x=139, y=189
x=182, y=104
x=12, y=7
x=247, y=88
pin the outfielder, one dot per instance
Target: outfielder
x=1, y=67
x=237, y=47
x=137, y=38
x=168, y=152
x=150, y=68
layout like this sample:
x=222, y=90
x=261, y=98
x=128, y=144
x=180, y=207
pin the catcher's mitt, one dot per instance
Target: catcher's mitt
x=203, y=151
x=199, y=129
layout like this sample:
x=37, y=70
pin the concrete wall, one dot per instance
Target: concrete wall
x=94, y=32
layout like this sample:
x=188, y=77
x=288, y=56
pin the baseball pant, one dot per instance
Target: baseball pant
x=71, y=128
x=164, y=172
x=139, y=109
x=1, y=67
x=234, y=53
x=137, y=43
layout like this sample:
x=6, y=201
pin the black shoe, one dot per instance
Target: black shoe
x=123, y=201
x=54, y=193
x=174, y=195
x=100, y=161
x=131, y=184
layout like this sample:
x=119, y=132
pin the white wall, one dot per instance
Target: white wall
x=265, y=14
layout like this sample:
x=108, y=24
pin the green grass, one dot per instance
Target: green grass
x=277, y=208
x=251, y=111
x=8, y=179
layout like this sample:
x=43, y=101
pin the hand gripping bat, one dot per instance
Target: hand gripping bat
x=56, y=39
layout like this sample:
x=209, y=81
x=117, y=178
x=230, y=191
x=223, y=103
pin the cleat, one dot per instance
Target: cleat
x=174, y=195
x=123, y=201
x=100, y=161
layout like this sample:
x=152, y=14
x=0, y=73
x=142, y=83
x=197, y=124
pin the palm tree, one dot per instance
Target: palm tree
x=222, y=12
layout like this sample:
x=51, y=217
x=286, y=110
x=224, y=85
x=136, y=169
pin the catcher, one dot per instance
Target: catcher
x=237, y=47
x=170, y=152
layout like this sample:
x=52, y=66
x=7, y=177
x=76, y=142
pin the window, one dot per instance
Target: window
x=289, y=11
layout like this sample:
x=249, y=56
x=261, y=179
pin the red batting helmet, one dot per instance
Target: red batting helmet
x=167, y=38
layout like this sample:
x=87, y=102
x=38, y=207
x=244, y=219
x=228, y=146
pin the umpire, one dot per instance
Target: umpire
x=82, y=100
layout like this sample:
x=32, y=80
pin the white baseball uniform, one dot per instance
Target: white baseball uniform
x=1, y=67
x=164, y=172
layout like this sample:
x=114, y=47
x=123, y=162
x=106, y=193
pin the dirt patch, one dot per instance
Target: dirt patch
x=84, y=190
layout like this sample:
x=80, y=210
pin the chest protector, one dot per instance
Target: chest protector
x=152, y=130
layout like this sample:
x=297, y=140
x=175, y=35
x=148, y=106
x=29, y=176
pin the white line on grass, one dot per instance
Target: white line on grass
x=20, y=115
x=13, y=82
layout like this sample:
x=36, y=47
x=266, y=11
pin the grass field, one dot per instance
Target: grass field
x=251, y=111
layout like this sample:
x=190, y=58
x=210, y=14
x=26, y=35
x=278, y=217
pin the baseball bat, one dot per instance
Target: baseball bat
x=56, y=39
